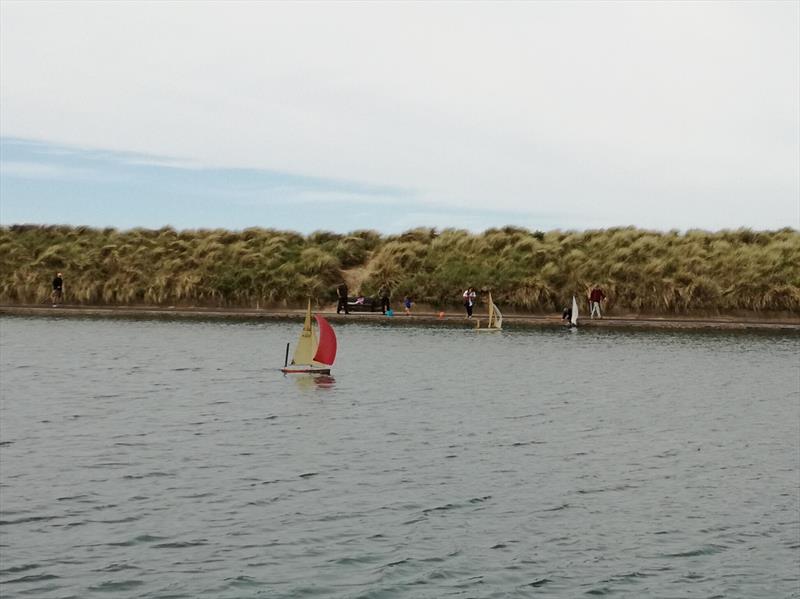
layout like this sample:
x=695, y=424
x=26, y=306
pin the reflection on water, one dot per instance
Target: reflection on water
x=157, y=459
x=312, y=381
x=324, y=380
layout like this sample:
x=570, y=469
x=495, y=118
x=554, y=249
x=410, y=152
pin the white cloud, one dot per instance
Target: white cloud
x=163, y=162
x=651, y=113
x=303, y=198
x=35, y=170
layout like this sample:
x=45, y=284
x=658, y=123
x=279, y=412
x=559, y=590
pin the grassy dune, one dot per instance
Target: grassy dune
x=641, y=271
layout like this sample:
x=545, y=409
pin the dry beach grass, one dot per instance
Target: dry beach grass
x=750, y=274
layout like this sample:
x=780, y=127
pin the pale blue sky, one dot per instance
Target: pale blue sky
x=389, y=115
x=47, y=183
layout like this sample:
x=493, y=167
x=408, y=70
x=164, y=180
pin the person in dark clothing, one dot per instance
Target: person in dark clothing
x=566, y=315
x=384, y=293
x=469, y=300
x=595, y=297
x=341, y=294
x=58, y=289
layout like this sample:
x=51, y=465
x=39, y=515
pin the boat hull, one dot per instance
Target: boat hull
x=294, y=370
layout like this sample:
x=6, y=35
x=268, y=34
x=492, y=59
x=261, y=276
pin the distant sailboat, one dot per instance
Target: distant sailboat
x=495, y=318
x=573, y=320
x=312, y=355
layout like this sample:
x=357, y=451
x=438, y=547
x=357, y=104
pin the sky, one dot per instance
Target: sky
x=392, y=115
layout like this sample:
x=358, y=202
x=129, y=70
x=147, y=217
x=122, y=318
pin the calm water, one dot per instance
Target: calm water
x=172, y=459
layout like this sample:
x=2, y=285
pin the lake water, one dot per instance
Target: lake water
x=172, y=459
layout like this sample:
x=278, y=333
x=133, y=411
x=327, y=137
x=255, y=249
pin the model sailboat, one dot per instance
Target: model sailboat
x=573, y=320
x=495, y=318
x=312, y=355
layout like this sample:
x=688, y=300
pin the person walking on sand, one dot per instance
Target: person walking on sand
x=384, y=293
x=58, y=289
x=469, y=300
x=407, y=303
x=595, y=297
x=341, y=294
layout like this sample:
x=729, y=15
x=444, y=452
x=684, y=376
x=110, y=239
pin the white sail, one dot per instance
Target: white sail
x=574, y=318
x=497, y=323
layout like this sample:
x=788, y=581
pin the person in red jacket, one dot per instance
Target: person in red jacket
x=595, y=297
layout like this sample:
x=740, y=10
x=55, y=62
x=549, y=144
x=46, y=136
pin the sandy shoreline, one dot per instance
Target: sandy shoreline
x=418, y=317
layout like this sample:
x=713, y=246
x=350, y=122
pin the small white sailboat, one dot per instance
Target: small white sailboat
x=495, y=318
x=312, y=355
x=573, y=320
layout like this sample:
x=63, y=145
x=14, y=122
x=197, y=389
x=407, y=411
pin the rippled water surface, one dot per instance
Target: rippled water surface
x=172, y=459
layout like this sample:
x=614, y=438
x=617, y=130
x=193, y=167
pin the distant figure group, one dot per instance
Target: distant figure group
x=384, y=294
x=469, y=298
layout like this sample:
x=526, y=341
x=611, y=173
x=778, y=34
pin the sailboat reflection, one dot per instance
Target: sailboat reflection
x=312, y=381
x=325, y=381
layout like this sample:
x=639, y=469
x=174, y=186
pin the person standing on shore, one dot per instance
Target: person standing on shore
x=341, y=294
x=469, y=300
x=384, y=293
x=407, y=303
x=595, y=297
x=58, y=289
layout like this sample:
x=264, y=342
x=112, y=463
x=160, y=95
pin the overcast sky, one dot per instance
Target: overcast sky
x=389, y=115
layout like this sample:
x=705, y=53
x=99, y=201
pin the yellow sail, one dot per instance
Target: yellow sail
x=495, y=318
x=307, y=344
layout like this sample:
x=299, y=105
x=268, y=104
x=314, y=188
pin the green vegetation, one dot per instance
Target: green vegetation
x=641, y=271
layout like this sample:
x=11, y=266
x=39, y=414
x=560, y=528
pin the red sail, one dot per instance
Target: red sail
x=326, y=349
